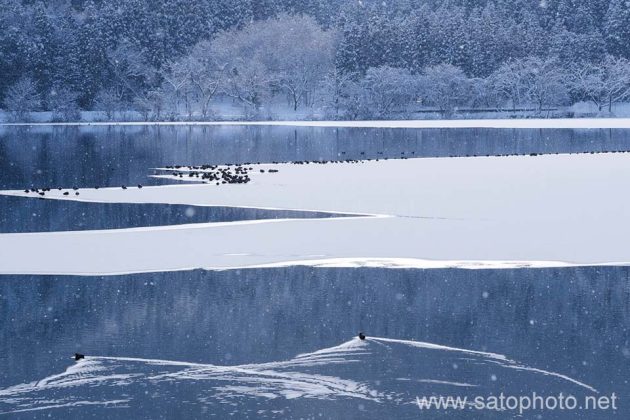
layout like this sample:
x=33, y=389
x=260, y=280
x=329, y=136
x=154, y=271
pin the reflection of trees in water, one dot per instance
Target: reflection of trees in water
x=551, y=318
x=27, y=214
x=89, y=156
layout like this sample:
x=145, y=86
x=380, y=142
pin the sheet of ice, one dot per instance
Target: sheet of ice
x=472, y=123
x=581, y=188
x=384, y=376
x=387, y=241
x=470, y=212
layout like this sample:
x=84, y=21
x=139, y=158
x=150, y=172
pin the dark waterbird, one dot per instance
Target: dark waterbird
x=361, y=336
x=78, y=356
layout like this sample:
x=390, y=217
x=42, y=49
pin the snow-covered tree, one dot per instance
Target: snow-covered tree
x=444, y=86
x=483, y=94
x=449, y=36
x=64, y=104
x=154, y=102
x=603, y=84
x=192, y=81
x=205, y=76
x=301, y=55
x=616, y=28
x=22, y=98
x=546, y=82
x=132, y=73
x=109, y=101
x=244, y=77
x=352, y=100
x=510, y=82
x=291, y=54
x=177, y=87
x=571, y=48
x=531, y=80
x=488, y=42
x=388, y=89
x=337, y=89
x=265, y=48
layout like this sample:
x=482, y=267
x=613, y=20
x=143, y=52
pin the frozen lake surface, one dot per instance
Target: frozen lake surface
x=515, y=210
x=304, y=258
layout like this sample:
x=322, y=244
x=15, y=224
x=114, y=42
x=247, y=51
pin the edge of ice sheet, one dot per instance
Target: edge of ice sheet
x=585, y=123
x=388, y=263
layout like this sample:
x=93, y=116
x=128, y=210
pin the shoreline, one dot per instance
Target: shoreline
x=507, y=123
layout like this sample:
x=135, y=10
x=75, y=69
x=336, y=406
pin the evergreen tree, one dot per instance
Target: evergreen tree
x=617, y=28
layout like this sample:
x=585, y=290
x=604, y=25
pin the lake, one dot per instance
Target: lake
x=281, y=342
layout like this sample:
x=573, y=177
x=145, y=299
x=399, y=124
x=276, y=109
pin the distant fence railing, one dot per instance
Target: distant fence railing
x=480, y=110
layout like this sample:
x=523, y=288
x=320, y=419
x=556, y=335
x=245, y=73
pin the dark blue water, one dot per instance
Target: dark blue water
x=54, y=157
x=24, y=214
x=570, y=320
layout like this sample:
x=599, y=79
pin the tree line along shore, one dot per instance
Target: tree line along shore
x=319, y=59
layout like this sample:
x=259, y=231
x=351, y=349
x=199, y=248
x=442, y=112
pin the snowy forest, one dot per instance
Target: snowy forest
x=335, y=59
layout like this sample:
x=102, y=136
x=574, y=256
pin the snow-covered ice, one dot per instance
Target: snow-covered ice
x=469, y=212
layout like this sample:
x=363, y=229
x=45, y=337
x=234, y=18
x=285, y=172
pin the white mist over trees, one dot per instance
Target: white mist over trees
x=185, y=59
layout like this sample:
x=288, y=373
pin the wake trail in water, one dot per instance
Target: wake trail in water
x=383, y=373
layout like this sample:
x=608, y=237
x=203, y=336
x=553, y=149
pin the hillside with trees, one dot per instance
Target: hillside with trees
x=184, y=59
